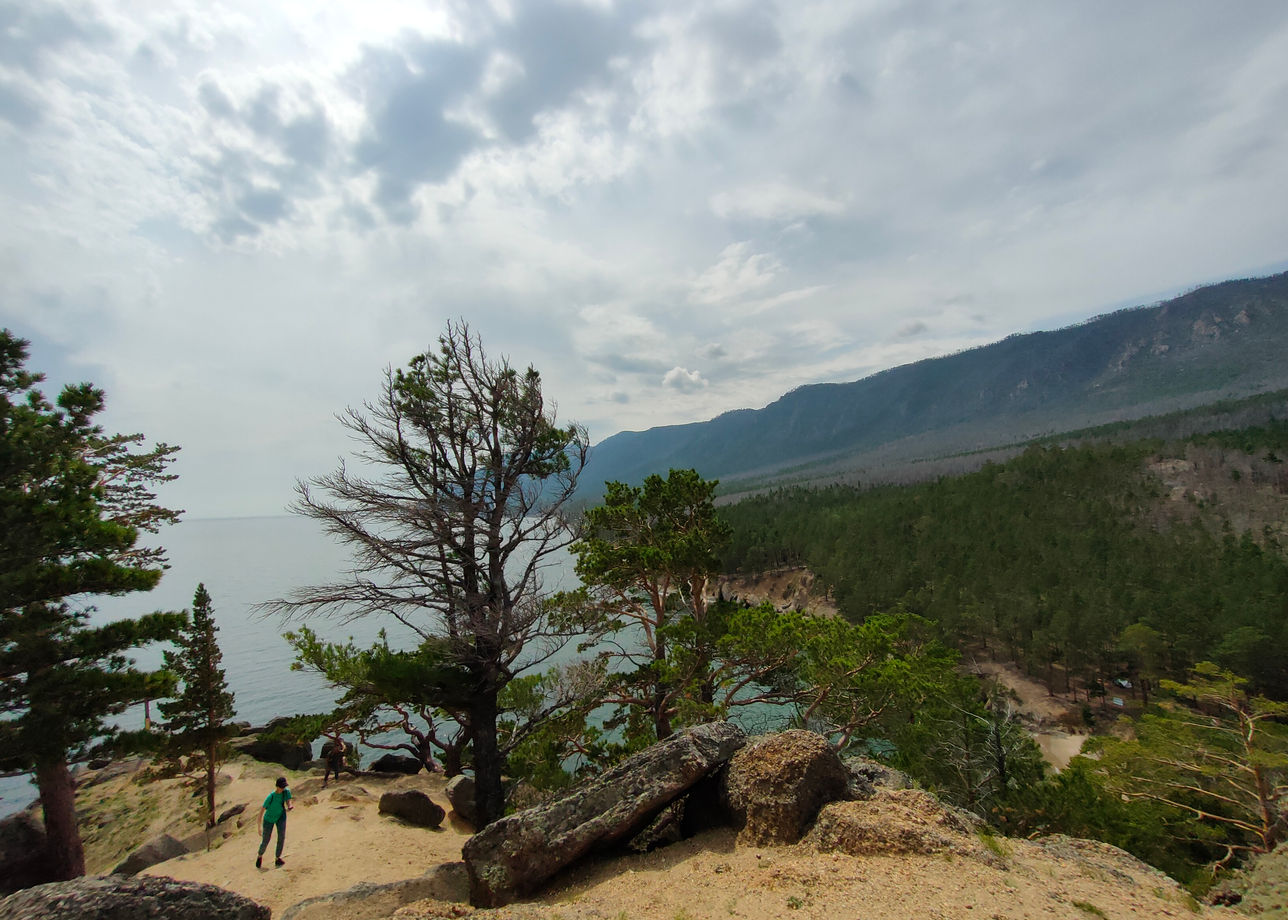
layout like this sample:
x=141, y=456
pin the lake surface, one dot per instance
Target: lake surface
x=244, y=562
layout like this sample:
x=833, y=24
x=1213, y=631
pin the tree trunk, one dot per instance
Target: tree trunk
x=65, y=853
x=489, y=794
x=450, y=757
x=211, y=768
x=661, y=719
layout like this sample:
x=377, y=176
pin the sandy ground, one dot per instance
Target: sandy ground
x=1040, y=708
x=710, y=877
x=335, y=838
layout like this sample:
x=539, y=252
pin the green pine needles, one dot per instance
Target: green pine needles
x=73, y=501
x=197, y=718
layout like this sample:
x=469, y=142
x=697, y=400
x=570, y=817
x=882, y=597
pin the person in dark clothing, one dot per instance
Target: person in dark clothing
x=335, y=760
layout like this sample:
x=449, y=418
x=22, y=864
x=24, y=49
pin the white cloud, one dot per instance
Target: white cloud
x=737, y=272
x=259, y=205
x=684, y=380
x=772, y=201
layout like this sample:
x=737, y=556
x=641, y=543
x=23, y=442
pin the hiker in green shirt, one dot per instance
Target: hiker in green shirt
x=273, y=814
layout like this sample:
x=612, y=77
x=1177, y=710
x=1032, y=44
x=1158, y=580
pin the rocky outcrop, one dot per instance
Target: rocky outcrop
x=867, y=776
x=775, y=786
x=414, y=807
x=517, y=854
x=110, y=770
x=156, y=850
x=116, y=897
x=460, y=792
x=397, y=763
x=290, y=755
x=23, y=862
x=893, y=821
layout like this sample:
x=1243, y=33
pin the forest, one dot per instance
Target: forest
x=1148, y=570
x=1077, y=563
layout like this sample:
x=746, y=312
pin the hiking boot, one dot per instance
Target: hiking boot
x=259, y=862
x=279, y=862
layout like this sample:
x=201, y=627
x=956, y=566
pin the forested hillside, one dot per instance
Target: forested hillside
x=1080, y=563
x=1221, y=341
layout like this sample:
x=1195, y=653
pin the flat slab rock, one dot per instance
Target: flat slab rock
x=514, y=856
x=117, y=897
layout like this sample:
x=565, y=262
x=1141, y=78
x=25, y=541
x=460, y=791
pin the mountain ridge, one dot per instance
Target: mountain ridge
x=1214, y=342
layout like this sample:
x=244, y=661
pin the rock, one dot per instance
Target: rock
x=111, y=770
x=351, y=794
x=397, y=763
x=156, y=850
x=22, y=852
x=230, y=812
x=200, y=840
x=867, y=775
x=775, y=786
x=114, y=897
x=460, y=792
x=291, y=756
x=414, y=807
x=894, y=821
x=515, y=855
x=667, y=828
x=367, y=901
x=98, y=763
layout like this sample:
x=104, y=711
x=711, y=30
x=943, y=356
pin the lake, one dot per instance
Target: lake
x=244, y=562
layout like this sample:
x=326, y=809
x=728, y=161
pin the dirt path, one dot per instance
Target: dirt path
x=1040, y=708
x=335, y=838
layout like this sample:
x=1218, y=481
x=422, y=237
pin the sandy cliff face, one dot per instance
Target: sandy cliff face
x=787, y=589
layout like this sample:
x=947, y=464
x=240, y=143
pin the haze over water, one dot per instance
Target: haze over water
x=244, y=562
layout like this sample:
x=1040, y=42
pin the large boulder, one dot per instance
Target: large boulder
x=116, y=897
x=775, y=786
x=515, y=855
x=23, y=861
x=397, y=763
x=156, y=850
x=288, y=754
x=412, y=806
x=460, y=792
x=892, y=822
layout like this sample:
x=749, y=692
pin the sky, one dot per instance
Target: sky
x=233, y=216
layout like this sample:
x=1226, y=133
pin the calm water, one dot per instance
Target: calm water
x=243, y=562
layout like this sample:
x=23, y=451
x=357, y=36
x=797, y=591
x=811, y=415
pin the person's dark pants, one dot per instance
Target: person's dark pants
x=268, y=833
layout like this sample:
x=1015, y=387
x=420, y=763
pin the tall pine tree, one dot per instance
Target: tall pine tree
x=197, y=718
x=72, y=503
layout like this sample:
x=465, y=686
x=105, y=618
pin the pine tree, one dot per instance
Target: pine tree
x=453, y=515
x=72, y=503
x=647, y=555
x=1216, y=752
x=197, y=718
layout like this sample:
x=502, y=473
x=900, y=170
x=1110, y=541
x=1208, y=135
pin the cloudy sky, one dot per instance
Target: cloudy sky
x=233, y=215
